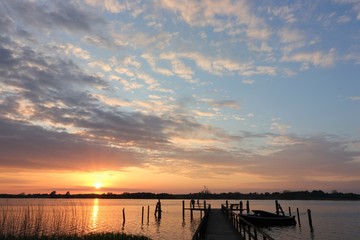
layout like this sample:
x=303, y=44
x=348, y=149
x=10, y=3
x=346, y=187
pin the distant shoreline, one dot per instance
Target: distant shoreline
x=285, y=195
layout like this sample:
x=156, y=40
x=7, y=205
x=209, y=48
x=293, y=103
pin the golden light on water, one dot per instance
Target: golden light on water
x=95, y=212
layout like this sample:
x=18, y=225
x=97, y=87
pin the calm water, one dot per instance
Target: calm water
x=331, y=219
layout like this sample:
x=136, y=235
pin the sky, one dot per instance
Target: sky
x=172, y=96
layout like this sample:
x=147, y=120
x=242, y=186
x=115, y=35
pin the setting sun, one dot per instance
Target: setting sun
x=97, y=185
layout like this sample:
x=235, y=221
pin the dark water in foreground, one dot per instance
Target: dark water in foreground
x=331, y=219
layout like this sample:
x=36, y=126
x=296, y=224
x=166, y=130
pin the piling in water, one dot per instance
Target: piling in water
x=298, y=216
x=158, y=210
x=148, y=212
x=142, y=215
x=310, y=220
x=183, y=209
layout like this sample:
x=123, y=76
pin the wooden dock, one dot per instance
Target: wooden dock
x=225, y=223
x=219, y=227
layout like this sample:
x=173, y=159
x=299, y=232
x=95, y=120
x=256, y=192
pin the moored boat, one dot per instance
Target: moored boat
x=264, y=218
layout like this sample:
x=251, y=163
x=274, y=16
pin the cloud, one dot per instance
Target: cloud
x=248, y=81
x=102, y=65
x=344, y=19
x=71, y=49
x=227, y=103
x=282, y=128
x=112, y=6
x=216, y=66
x=355, y=98
x=317, y=58
x=31, y=147
x=355, y=6
x=309, y=157
x=286, y=13
x=222, y=16
x=53, y=15
x=353, y=57
x=288, y=35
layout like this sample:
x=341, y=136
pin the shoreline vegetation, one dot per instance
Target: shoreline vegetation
x=285, y=195
x=89, y=236
x=68, y=221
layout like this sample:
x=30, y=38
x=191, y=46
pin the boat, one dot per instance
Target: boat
x=264, y=218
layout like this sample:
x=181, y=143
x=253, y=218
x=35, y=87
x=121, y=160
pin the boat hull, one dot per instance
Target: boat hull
x=263, y=218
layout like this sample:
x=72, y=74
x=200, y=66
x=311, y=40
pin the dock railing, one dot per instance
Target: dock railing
x=245, y=228
x=200, y=231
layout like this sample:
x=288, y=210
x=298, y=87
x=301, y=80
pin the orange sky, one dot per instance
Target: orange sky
x=165, y=97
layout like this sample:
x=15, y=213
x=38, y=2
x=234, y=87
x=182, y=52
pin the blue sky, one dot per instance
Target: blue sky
x=234, y=95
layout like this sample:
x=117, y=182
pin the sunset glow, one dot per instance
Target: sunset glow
x=97, y=185
x=137, y=96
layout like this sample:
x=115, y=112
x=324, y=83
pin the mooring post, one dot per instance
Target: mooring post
x=247, y=206
x=289, y=211
x=142, y=215
x=183, y=209
x=277, y=207
x=148, y=212
x=241, y=207
x=159, y=209
x=310, y=220
x=123, y=213
x=156, y=209
x=204, y=206
x=227, y=204
x=298, y=216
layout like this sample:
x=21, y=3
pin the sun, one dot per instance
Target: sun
x=97, y=185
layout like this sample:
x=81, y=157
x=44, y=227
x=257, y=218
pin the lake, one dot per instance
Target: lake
x=331, y=219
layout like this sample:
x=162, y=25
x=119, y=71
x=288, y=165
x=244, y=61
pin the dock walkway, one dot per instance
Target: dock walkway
x=219, y=227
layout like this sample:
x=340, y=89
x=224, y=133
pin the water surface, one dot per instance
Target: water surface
x=331, y=219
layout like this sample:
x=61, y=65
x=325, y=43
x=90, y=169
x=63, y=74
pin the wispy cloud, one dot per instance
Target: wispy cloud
x=318, y=59
x=222, y=16
x=355, y=98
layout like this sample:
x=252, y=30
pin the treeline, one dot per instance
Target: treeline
x=285, y=195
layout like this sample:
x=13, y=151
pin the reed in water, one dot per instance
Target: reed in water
x=52, y=222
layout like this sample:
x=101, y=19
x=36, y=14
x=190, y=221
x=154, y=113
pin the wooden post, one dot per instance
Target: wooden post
x=156, y=209
x=277, y=207
x=289, y=211
x=241, y=207
x=159, y=209
x=142, y=215
x=298, y=216
x=227, y=204
x=183, y=209
x=148, y=212
x=123, y=213
x=191, y=209
x=310, y=220
x=247, y=206
x=204, y=206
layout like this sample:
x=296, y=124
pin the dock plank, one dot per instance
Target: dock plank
x=219, y=227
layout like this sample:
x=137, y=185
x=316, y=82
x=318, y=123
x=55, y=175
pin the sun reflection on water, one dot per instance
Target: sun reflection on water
x=94, y=216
